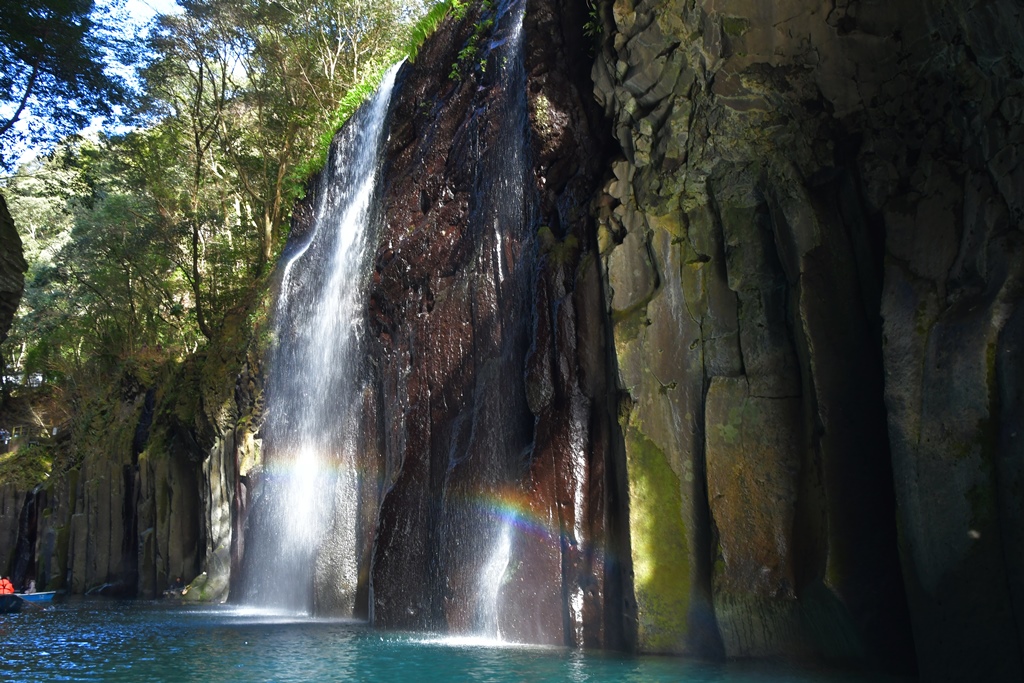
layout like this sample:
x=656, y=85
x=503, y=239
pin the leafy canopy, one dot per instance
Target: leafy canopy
x=143, y=243
x=54, y=73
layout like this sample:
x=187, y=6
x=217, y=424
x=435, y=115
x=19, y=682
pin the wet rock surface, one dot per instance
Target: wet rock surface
x=487, y=308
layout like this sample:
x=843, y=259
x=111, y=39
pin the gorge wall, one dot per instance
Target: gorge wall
x=490, y=345
x=715, y=317
x=147, y=481
x=813, y=248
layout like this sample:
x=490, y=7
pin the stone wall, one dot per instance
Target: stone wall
x=813, y=248
x=148, y=485
x=490, y=339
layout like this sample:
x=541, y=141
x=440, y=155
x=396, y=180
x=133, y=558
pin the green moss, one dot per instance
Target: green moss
x=673, y=223
x=731, y=432
x=629, y=324
x=735, y=26
x=560, y=252
x=661, y=560
x=27, y=466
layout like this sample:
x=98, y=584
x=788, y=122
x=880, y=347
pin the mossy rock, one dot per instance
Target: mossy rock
x=27, y=466
x=660, y=547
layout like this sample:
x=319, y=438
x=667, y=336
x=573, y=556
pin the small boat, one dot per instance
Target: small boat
x=10, y=603
x=46, y=596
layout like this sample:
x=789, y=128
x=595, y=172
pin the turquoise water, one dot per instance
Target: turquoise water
x=118, y=641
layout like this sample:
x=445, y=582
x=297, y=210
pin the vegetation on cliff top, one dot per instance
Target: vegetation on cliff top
x=145, y=242
x=26, y=466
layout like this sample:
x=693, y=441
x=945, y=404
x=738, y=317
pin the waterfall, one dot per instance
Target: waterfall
x=310, y=476
x=504, y=208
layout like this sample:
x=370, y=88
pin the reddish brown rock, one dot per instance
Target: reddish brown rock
x=477, y=304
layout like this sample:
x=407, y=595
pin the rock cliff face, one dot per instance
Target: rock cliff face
x=12, y=270
x=814, y=255
x=147, y=491
x=487, y=309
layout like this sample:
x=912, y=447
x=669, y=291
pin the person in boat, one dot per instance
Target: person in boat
x=6, y=586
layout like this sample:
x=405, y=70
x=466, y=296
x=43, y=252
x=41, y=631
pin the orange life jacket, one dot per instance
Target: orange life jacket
x=6, y=586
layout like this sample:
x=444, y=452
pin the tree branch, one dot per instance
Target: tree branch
x=24, y=100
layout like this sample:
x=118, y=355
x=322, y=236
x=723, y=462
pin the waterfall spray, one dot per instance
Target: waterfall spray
x=314, y=378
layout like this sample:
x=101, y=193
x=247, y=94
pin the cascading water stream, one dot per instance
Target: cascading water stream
x=506, y=214
x=309, y=438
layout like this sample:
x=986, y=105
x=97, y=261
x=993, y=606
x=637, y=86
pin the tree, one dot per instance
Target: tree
x=141, y=242
x=190, y=83
x=289, y=70
x=53, y=66
x=255, y=83
x=106, y=271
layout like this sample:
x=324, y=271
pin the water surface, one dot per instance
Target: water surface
x=91, y=640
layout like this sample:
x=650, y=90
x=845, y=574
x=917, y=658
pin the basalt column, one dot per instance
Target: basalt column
x=814, y=251
x=744, y=261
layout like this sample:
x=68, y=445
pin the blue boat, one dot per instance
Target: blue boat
x=14, y=602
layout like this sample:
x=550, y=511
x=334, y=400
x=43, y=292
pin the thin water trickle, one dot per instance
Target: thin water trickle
x=309, y=438
x=506, y=214
x=491, y=577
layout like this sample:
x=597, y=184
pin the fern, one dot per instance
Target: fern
x=418, y=34
x=425, y=27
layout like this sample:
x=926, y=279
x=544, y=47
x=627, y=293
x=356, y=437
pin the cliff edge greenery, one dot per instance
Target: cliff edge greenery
x=143, y=240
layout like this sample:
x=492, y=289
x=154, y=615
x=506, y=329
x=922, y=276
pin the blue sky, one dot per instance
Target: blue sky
x=139, y=12
x=144, y=10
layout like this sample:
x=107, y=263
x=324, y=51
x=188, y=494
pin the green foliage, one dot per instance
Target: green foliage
x=105, y=278
x=425, y=27
x=145, y=246
x=593, y=27
x=470, y=56
x=361, y=91
x=53, y=55
x=459, y=9
x=352, y=100
x=26, y=466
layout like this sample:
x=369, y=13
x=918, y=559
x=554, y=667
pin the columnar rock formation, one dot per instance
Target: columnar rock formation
x=814, y=257
x=145, y=483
